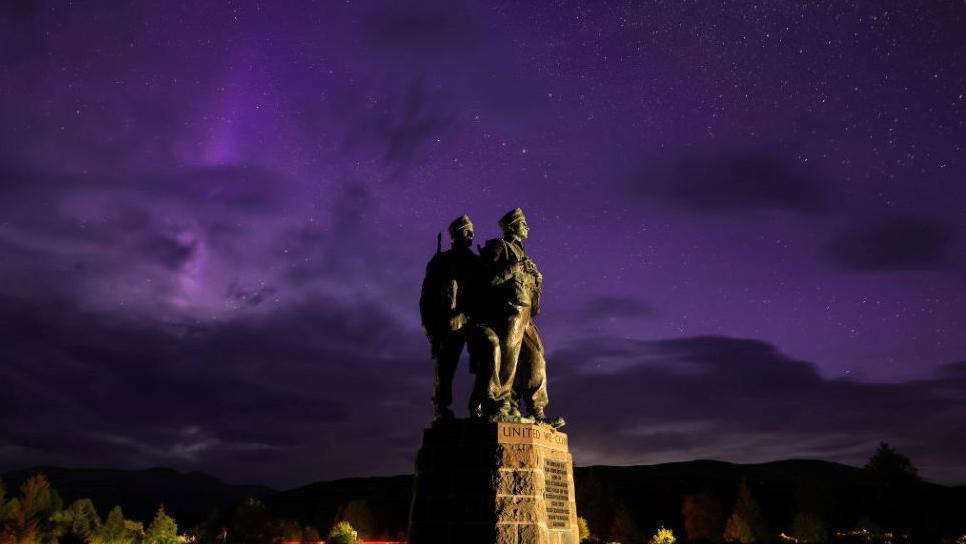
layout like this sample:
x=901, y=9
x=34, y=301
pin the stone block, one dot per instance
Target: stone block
x=467, y=508
x=436, y=484
x=471, y=482
x=532, y=533
x=484, y=483
x=517, y=482
x=517, y=456
x=424, y=460
x=478, y=432
x=442, y=434
x=506, y=533
x=570, y=537
x=519, y=509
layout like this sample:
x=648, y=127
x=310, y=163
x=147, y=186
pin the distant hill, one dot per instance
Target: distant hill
x=189, y=497
x=648, y=494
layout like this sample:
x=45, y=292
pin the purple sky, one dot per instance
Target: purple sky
x=214, y=221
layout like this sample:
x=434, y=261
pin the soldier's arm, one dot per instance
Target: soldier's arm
x=497, y=263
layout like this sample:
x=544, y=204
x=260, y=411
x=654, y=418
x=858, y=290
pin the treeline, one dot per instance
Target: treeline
x=252, y=522
x=887, y=504
x=38, y=516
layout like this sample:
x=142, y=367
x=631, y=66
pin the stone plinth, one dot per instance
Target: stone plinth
x=493, y=483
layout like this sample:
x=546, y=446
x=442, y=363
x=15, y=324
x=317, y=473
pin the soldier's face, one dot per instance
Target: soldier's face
x=464, y=237
x=520, y=230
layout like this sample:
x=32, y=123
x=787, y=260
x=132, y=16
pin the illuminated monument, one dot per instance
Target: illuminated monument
x=498, y=476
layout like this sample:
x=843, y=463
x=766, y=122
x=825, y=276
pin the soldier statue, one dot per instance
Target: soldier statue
x=446, y=305
x=505, y=335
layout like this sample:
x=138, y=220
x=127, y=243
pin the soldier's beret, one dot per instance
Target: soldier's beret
x=511, y=217
x=461, y=222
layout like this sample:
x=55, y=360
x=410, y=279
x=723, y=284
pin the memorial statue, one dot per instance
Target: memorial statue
x=506, y=342
x=446, y=305
x=502, y=477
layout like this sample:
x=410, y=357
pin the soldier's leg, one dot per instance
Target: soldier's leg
x=510, y=344
x=533, y=369
x=483, y=346
x=446, y=361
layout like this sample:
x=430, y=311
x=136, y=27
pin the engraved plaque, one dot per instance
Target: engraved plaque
x=557, y=494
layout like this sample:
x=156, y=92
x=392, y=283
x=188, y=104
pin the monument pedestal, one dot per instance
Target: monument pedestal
x=493, y=483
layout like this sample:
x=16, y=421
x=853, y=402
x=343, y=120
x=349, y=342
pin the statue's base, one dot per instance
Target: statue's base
x=493, y=483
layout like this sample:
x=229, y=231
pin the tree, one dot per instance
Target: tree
x=135, y=530
x=890, y=464
x=747, y=523
x=84, y=521
x=113, y=530
x=623, y=528
x=703, y=517
x=292, y=530
x=599, y=503
x=809, y=527
x=357, y=514
x=4, y=516
x=738, y=530
x=342, y=533
x=8, y=510
x=663, y=536
x=162, y=530
x=583, y=530
x=36, y=518
x=250, y=523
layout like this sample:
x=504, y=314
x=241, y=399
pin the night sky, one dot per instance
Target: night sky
x=214, y=221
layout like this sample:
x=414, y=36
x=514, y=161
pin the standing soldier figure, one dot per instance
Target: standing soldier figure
x=512, y=288
x=445, y=306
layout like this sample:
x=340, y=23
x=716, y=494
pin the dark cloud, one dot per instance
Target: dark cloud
x=144, y=237
x=610, y=307
x=889, y=245
x=716, y=182
x=744, y=400
x=91, y=388
x=401, y=125
x=302, y=393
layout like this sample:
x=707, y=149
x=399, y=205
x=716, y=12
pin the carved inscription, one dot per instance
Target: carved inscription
x=516, y=433
x=557, y=493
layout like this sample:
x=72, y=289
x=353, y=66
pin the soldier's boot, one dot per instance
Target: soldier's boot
x=555, y=422
x=501, y=412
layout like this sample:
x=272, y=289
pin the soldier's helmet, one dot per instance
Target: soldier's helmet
x=462, y=222
x=511, y=217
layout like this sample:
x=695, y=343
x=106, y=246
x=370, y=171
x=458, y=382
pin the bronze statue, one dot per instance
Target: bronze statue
x=505, y=336
x=445, y=305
